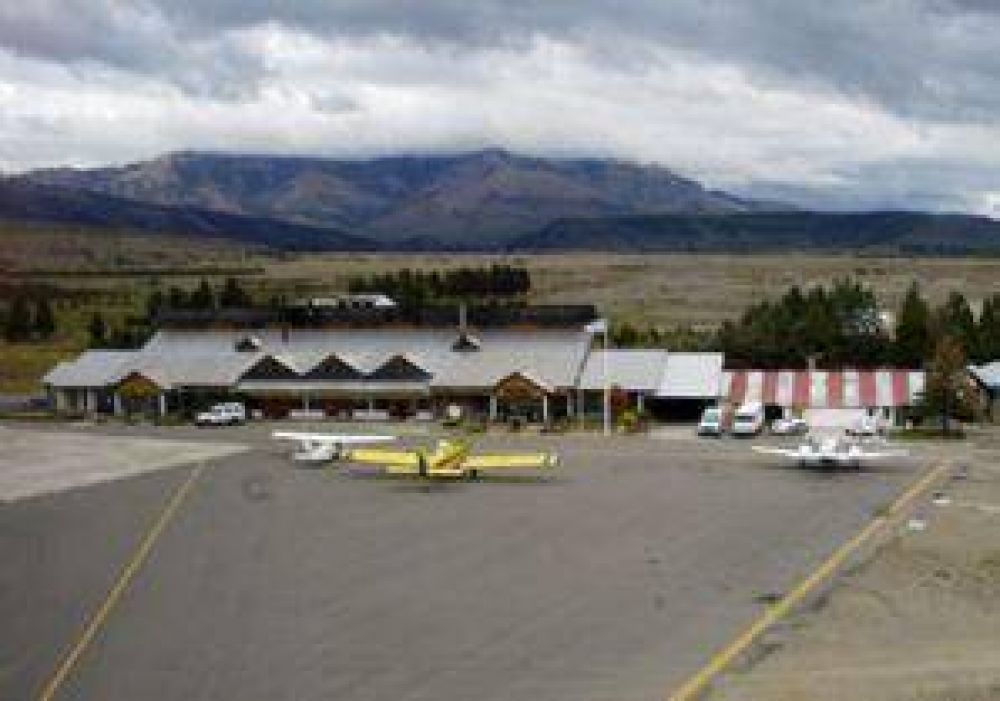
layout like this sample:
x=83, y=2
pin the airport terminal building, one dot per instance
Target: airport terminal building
x=538, y=372
x=339, y=372
x=539, y=364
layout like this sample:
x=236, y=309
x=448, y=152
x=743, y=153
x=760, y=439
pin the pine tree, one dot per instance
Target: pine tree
x=45, y=320
x=233, y=295
x=154, y=304
x=203, y=297
x=912, y=342
x=946, y=393
x=18, y=324
x=177, y=298
x=988, y=331
x=98, y=330
x=954, y=318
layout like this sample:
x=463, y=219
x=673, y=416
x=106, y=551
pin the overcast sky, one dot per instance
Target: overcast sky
x=841, y=104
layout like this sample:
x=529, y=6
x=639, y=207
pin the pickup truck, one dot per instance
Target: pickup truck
x=222, y=415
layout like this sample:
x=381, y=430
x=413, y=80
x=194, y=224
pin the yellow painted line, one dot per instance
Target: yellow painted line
x=722, y=659
x=124, y=579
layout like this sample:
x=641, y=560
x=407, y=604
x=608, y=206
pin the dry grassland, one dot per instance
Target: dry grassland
x=669, y=289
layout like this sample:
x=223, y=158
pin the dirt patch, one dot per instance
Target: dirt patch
x=920, y=621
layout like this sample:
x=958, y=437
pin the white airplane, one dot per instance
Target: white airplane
x=324, y=447
x=833, y=451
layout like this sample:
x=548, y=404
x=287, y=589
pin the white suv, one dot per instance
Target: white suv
x=222, y=415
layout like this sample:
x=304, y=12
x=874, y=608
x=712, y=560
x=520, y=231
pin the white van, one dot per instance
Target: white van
x=711, y=422
x=748, y=419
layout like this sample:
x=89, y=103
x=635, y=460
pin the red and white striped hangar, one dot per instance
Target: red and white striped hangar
x=827, y=396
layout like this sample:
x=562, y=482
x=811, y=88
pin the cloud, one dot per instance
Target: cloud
x=882, y=103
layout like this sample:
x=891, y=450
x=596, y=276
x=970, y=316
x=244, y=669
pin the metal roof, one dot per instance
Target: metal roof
x=101, y=368
x=631, y=370
x=209, y=358
x=826, y=389
x=691, y=376
x=92, y=368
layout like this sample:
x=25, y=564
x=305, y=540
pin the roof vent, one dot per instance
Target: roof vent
x=466, y=342
x=248, y=344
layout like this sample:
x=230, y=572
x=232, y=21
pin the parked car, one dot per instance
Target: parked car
x=749, y=419
x=226, y=414
x=791, y=426
x=711, y=422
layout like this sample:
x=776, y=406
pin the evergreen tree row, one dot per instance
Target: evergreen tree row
x=843, y=326
x=204, y=296
x=28, y=319
x=414, y=286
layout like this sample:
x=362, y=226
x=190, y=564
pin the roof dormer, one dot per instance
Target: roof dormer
x=248, y=344
x=466, y=343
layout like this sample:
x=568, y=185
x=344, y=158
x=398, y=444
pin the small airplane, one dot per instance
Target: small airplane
x=448, y=460
x=833, y=451
x=324, y=447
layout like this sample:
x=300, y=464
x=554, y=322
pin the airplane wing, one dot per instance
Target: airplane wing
x=332, y=438
x=499, y=462
x=386, y=458
x=786, y=452
x=882, y=454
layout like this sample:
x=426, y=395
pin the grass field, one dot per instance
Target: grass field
x=85, y=271
x=668, y=289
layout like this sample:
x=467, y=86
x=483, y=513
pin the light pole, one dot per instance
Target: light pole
x=607, y=384
x=601, y=326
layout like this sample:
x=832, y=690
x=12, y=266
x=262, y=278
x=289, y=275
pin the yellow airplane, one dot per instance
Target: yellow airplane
x=448, y=460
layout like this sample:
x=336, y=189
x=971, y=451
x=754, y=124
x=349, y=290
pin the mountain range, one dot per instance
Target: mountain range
x=481, y=200
x=477, y=199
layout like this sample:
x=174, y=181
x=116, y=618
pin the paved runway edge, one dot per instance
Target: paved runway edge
x=699, y=682
x=128, y=573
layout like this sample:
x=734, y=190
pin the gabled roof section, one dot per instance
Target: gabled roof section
x=333, y=367
x=399, y=367
x=522, y=383
x=692, y=376
x=633, y=370
x=92, y=368
x=137, y=383
x=270, y=367
x=554, y=355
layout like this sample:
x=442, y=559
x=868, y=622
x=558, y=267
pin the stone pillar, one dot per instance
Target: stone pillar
x=545, y=408
x=494, y=409
x=640, y=402
x=569, y=404
x=116, y=400
x=90, y=401
x=305, y=402
x=162, y=406
x=61, y=400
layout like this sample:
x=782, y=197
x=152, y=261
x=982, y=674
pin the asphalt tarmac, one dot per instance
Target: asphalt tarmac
x=613, y=578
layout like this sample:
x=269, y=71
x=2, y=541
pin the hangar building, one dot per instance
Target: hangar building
x=827, y=397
